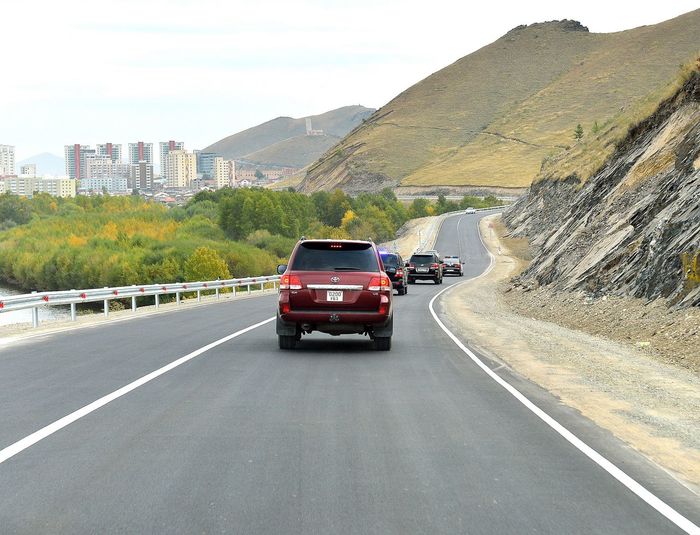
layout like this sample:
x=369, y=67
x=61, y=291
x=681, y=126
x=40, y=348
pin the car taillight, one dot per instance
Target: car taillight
x=434, y=266
x=290, y=282
x=378, y=284
x=284, y=308
x=384, y=305
x=399, y=272
x=458, y=265
x=410, y=267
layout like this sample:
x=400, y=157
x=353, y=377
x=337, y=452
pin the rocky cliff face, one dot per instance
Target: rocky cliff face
x=634, y=227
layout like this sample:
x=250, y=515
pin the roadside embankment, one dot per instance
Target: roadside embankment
x=588, y=357
x=414, y=235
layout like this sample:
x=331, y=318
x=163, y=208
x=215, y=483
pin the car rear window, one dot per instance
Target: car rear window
x=422, y=259
x=390, y=260
x=335, y=256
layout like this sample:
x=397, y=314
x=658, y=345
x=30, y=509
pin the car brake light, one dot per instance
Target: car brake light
x=378, y=284
x=290, y=282
x=434, y=266
x=458, y=265
x=384, y=305
x=284, y=308
x=399, y=272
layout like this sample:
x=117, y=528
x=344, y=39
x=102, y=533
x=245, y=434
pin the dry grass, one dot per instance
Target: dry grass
x=532, y=87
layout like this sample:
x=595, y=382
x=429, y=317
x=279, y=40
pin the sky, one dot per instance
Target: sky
x=198, y=70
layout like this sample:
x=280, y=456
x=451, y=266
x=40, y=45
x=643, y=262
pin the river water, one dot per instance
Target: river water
x=25, y=316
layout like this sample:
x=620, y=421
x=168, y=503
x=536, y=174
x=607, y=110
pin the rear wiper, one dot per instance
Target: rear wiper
x=346, y=268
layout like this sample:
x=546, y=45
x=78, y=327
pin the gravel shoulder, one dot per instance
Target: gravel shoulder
x=646, y=397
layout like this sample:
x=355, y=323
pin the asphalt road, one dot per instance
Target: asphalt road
x=330, y=438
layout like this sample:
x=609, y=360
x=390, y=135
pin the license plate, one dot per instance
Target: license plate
x=334, y=295
x=422, y=270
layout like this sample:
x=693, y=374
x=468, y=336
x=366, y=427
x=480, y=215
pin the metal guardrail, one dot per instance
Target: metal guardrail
x=35, y=300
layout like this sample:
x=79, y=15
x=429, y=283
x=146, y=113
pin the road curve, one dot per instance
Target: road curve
x=330, y=438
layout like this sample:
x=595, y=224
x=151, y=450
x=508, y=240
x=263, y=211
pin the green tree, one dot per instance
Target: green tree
x=205, y=264
x=578, y=132
x=596, y=127
x=419, y=208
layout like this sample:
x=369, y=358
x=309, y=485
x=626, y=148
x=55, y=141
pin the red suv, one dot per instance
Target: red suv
x=336, y=287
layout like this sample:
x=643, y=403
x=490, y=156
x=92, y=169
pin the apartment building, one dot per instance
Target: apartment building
x=181, y=168
x=165, y=148
x=223, y=172
x=140, y=152
x=141, y=176
x=76, y=156
x=7, y=160
x=26, y=186
x=110, y=150
x=27, y=170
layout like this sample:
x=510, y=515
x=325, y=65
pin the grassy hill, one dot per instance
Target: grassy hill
x=283, y=141
x=493, y=117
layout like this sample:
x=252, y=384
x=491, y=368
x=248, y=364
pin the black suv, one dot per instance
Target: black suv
x=394, y=267
x=424, y=266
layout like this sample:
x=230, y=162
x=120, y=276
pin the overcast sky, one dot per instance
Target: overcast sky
x=198, y=70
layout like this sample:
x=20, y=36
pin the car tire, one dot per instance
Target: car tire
x=402, y=290
x=286, y=341
x=405, y=289
x=382, y=343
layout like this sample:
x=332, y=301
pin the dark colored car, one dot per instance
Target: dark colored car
x=336, y=287
x=452, y=264
x=394, y=267
x=424, y=266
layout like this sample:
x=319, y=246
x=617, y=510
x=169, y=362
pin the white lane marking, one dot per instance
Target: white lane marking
x=662, y=507
x=44, y=432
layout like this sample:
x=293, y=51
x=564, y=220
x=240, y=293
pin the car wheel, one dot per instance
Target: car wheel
x=405, y=289
x=287, y=342
x=382, y=343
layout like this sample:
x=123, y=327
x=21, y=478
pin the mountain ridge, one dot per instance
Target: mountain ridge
x=491, y=117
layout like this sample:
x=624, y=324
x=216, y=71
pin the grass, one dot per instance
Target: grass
x=492, y=117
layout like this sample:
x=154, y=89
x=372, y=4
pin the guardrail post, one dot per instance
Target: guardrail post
x=177, y=297
x=73, y=309
x=157, y=300
x=133, y=303
x=248, y=288
x=217, y=293
x=262, y=286
x=106, y=305
x=35, y=316
x=199, y=296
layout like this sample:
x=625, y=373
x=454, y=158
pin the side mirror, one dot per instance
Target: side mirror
x=281, y=269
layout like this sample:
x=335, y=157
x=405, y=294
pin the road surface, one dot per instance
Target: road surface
x=330, y=438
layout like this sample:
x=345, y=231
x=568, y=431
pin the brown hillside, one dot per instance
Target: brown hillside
x=334, y=123
x=490, y=118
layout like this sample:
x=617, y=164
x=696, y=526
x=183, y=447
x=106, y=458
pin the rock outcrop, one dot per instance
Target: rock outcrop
x=634, y=227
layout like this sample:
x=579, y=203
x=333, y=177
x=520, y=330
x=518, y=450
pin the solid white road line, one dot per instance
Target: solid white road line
x=44, y=432
x=662, y=507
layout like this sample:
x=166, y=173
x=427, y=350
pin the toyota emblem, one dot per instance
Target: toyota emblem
x=335, y=280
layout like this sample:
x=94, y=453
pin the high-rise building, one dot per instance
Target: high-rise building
x=140, y=152
x=75, y=160
x=141, y=176
x=165, y=148
x=28, y=169
x=205, y=163
x=105, y=167
x=181, y=168
x=222, y=172
x=7, y=160
x=110, y=150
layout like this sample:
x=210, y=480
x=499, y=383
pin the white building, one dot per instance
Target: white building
x=140, y=152
x=7, y=160
x=110, y=184
x=105, y=167
x=110, y=150
x=181, y=168
x=27, y=186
